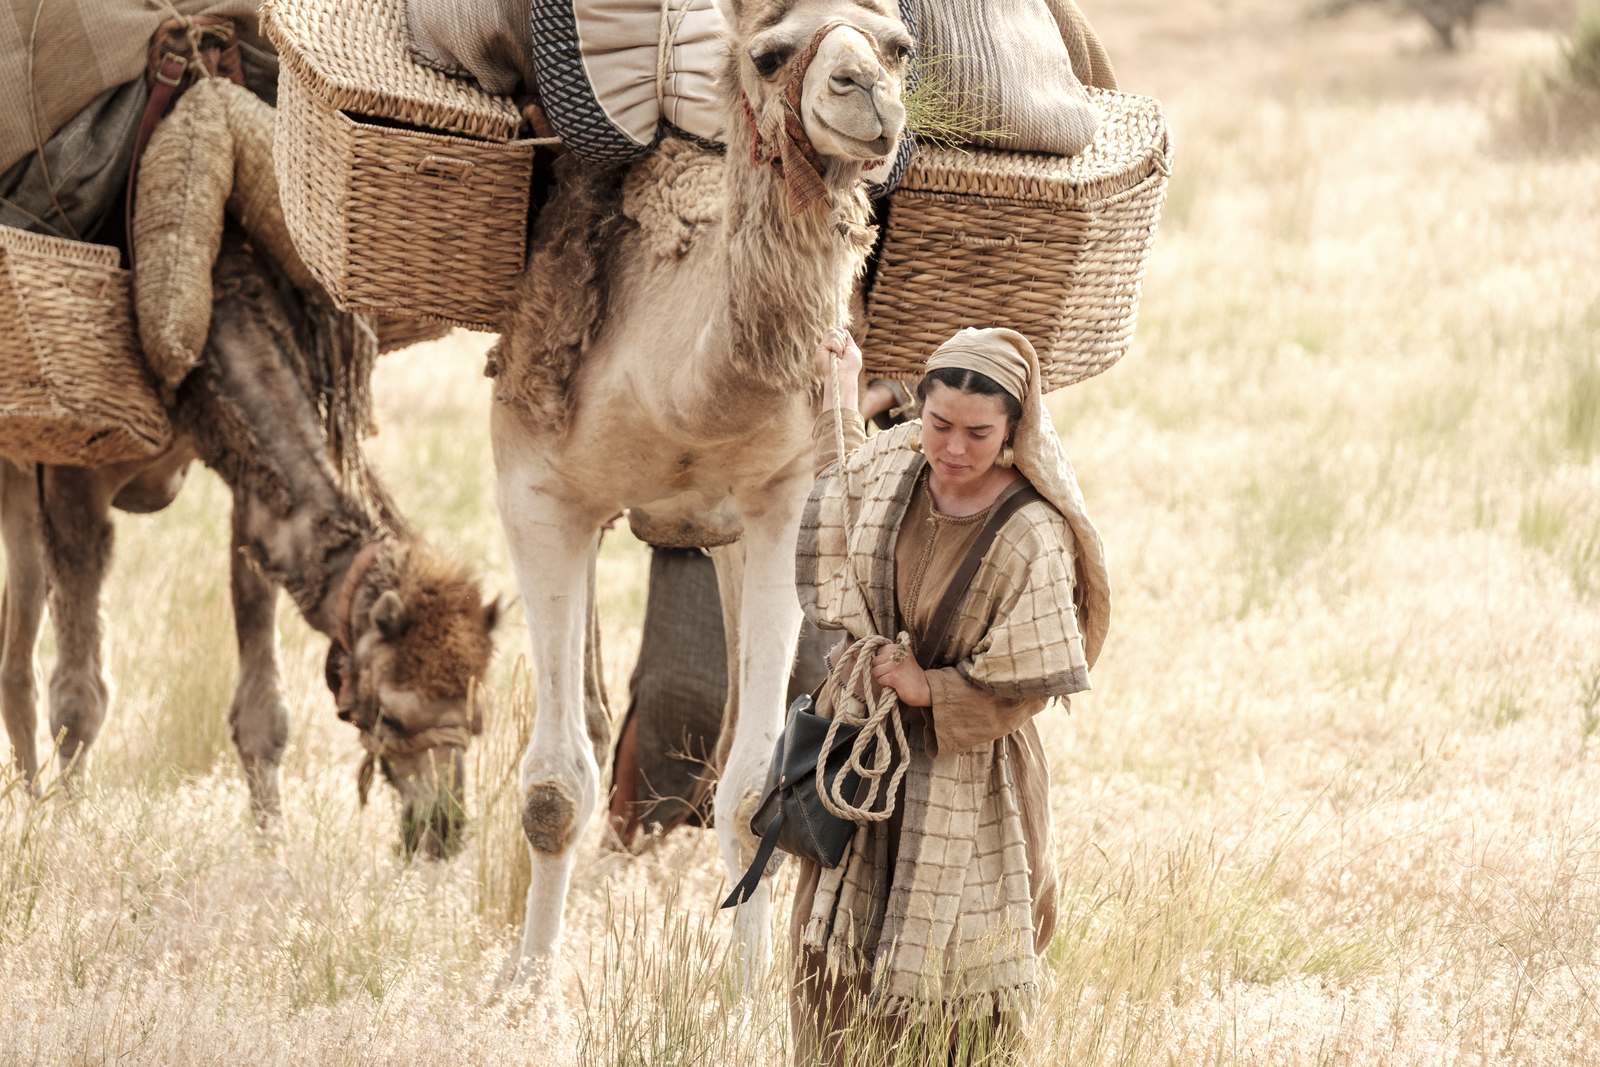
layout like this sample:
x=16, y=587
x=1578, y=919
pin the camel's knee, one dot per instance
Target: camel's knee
x=550, y=817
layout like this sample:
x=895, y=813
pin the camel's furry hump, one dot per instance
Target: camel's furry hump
x=562, y=297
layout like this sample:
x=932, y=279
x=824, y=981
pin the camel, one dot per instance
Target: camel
x=417, y=631
x=680, y=386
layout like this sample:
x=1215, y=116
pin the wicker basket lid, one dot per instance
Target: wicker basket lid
x=1132, y=141
x=353, y=55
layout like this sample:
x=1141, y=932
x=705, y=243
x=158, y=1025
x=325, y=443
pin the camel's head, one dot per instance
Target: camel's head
x=420, y=642
x=837, y=64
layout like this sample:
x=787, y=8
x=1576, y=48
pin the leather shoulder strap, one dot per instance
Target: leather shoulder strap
x=945, y=613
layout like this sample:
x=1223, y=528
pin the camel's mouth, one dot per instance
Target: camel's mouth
x=876, y=148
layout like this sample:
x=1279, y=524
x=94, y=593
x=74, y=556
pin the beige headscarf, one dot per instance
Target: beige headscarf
x=1007, y=357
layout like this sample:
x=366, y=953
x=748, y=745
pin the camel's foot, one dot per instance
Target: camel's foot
x=265, y=779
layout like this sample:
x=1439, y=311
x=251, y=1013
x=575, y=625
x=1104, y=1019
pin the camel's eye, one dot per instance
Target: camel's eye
x=768, y=63
x=902, y=52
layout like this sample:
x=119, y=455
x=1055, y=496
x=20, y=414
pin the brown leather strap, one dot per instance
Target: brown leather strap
x=945, y=613
x=176, y=62
x=352, y=579
x=168, y=75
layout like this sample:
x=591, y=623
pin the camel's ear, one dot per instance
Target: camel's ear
x=729, y=10
x=491, y=614
x=389, y=615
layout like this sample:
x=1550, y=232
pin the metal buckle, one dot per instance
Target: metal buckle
x=183, y=65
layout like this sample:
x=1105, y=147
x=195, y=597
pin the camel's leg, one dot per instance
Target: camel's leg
x=77, y=536
x=22, y=608
x=258, y=715
x=769, y=626
x=596, y=704
x=551, y=548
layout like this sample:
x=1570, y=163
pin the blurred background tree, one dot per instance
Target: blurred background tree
x=1447, y=18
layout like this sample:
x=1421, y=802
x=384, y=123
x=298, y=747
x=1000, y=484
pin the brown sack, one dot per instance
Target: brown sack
x=184, y=180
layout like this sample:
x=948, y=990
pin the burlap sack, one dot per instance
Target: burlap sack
x=1006, y=64
x=680, y=685
x=212, y=153
x=185, y=180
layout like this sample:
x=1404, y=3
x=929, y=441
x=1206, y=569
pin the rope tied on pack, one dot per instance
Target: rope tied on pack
x=666, y=40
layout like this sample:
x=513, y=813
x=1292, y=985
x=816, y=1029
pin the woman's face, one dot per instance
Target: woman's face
x=962, y=434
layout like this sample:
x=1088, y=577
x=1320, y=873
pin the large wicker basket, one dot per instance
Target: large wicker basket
x=1053, y=247
x=73, y=385
x=403, y=188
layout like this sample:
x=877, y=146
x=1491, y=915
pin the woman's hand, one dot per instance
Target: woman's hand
x=895, y=668
x=837, y=344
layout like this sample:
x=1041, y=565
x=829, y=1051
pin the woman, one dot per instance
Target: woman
x=936, y=915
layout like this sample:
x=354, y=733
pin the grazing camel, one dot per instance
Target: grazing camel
x=677, y=383
x=415, y=627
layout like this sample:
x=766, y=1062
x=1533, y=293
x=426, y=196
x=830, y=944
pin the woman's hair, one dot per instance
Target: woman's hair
x=964, y=380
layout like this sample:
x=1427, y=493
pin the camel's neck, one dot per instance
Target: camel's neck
x=258, y=428
x=789, y=276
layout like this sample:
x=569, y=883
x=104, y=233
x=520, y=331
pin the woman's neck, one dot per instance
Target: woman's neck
x=959, y=501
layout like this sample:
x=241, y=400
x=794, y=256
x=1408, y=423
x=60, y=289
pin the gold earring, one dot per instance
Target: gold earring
x=1007, y=457
x=914, y=442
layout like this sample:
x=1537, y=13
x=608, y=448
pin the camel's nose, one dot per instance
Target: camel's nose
x=856, y=77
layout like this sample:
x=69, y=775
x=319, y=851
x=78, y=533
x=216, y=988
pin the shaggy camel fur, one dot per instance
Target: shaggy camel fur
x=418, y=628
x=676, y=382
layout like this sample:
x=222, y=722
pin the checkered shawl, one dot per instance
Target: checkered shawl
x=953, y=934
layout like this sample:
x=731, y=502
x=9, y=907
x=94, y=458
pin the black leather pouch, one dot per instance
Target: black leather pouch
x=792, y=816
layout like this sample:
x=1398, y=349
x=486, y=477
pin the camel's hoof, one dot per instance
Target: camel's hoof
x=550, y=817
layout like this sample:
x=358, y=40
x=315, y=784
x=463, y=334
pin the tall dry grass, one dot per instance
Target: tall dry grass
x=1332, y=800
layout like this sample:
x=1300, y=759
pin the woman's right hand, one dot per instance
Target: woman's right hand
x=838, y=345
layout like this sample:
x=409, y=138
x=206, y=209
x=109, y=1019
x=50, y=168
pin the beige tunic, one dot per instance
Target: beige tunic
x=929, y=547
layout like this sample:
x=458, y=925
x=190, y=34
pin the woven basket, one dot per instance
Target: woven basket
x=73, y=385
x=1053, y=247
x=395, y=220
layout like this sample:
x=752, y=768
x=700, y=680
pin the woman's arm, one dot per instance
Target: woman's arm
x=957, y=713
x=837, y=351
x=963, y=714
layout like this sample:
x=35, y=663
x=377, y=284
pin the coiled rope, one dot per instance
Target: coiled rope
x=875, y=724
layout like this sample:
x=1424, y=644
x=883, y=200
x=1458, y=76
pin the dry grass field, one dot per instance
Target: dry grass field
x=1330, y=803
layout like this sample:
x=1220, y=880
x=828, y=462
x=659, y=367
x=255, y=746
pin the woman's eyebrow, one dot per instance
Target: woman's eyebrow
x=947, y=422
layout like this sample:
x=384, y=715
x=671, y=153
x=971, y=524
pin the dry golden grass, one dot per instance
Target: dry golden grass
x=1331, y=801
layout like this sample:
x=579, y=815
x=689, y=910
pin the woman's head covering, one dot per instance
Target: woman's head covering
x=989, y=353
x=1007, y=357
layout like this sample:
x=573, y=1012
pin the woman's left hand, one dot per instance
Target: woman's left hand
x=896, y=668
